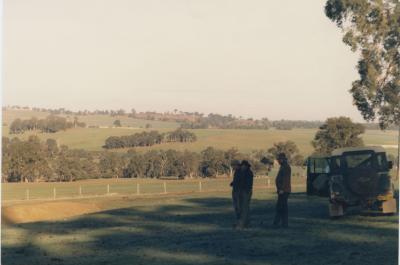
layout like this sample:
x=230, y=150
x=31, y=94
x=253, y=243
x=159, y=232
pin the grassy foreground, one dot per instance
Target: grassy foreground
x=197, y=229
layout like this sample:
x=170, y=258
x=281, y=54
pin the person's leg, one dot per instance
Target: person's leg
x=243, y=209
x=278, y=211
x=285, y=210
x=235, y=200
x=248, y=201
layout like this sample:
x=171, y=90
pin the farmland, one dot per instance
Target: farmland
x=245, y=140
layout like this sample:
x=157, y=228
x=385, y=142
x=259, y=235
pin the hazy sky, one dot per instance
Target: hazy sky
x=258, y=58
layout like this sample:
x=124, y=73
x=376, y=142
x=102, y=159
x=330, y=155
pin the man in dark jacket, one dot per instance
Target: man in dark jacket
x=242, y=188
x=283, y=188
x=235, y=164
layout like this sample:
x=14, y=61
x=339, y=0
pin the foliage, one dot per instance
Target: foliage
x=337, y=133
x=34, y=160
x=117, y=123
x=290, y=149
x=51, y=124
x=149, y=139
x=291, y=124
x=181, y=136
x=224, y=122
x=372, y=28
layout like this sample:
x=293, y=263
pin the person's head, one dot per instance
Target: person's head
x=235, y=164
x=282, y=158
x=245, y=165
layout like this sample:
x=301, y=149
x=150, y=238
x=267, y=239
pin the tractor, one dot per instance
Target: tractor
x=354, y=176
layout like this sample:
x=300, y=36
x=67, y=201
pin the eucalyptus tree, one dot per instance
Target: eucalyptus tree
x=372, y=29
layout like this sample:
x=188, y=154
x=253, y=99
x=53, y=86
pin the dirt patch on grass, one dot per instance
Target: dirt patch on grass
x=42, y=211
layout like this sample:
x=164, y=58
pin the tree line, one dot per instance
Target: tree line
x=34, y=160
x=225, y=122
x=50, y=124
x=149, y=139
x=292, y=124
x=196, y=120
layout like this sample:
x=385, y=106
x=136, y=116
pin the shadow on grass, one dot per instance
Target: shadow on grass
x=198, y=231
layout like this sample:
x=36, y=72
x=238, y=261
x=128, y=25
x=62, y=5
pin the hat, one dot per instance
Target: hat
x=235, y=162
x=267, y=161
x=245, y=163
x=282, y=156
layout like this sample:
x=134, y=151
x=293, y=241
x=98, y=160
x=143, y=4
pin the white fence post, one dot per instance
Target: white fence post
x=54, y=193
x=137, y=189
x=80, y=190
x=268, y=182
x=200, y=187
x=165, y=187
x=108, y=189
x=27, y=194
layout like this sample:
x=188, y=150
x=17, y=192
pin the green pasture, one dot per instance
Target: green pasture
x=101, y=187
x=197, y=229
x=245, y=140
x=90, y=120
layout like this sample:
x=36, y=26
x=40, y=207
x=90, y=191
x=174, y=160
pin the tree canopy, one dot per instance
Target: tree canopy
x=372, y=28
x=337, y=133
x=290, y=149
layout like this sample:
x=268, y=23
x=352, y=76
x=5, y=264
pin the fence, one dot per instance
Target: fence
x=54, y=191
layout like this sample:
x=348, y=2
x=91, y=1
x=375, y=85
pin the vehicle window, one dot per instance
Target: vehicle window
x=359, y=160
x=335, y=164
x=319, y=166
x=381, y=161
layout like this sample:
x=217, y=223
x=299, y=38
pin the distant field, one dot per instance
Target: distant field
x=244, y=140
x=90, y=120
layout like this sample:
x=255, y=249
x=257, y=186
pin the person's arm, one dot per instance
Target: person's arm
x=279, y=180
x=249, y=181
x=234, y=181
x=286, y=179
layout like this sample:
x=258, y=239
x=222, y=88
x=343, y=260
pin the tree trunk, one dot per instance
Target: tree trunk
x=398, y=155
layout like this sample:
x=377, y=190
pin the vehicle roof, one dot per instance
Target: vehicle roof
x=340, y=151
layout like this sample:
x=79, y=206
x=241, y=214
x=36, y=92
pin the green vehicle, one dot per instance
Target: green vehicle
x=349, y=177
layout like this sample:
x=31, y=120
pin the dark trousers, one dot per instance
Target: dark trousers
x=241, y=205
x=236, y=207
x=281, y=216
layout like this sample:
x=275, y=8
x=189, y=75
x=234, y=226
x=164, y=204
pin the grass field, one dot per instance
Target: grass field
x=196, y=229
x=98, y=187
x=244, y=140
x=90, y=120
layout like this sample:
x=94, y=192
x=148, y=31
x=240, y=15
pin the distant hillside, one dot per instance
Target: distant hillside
x=173, y=119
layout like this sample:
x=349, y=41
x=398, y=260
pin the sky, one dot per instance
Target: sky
x=258, y=58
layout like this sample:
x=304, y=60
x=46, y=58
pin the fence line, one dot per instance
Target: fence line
x=163, y=189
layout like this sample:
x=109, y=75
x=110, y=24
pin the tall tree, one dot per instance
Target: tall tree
x=337, y=133
x=372, y=28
